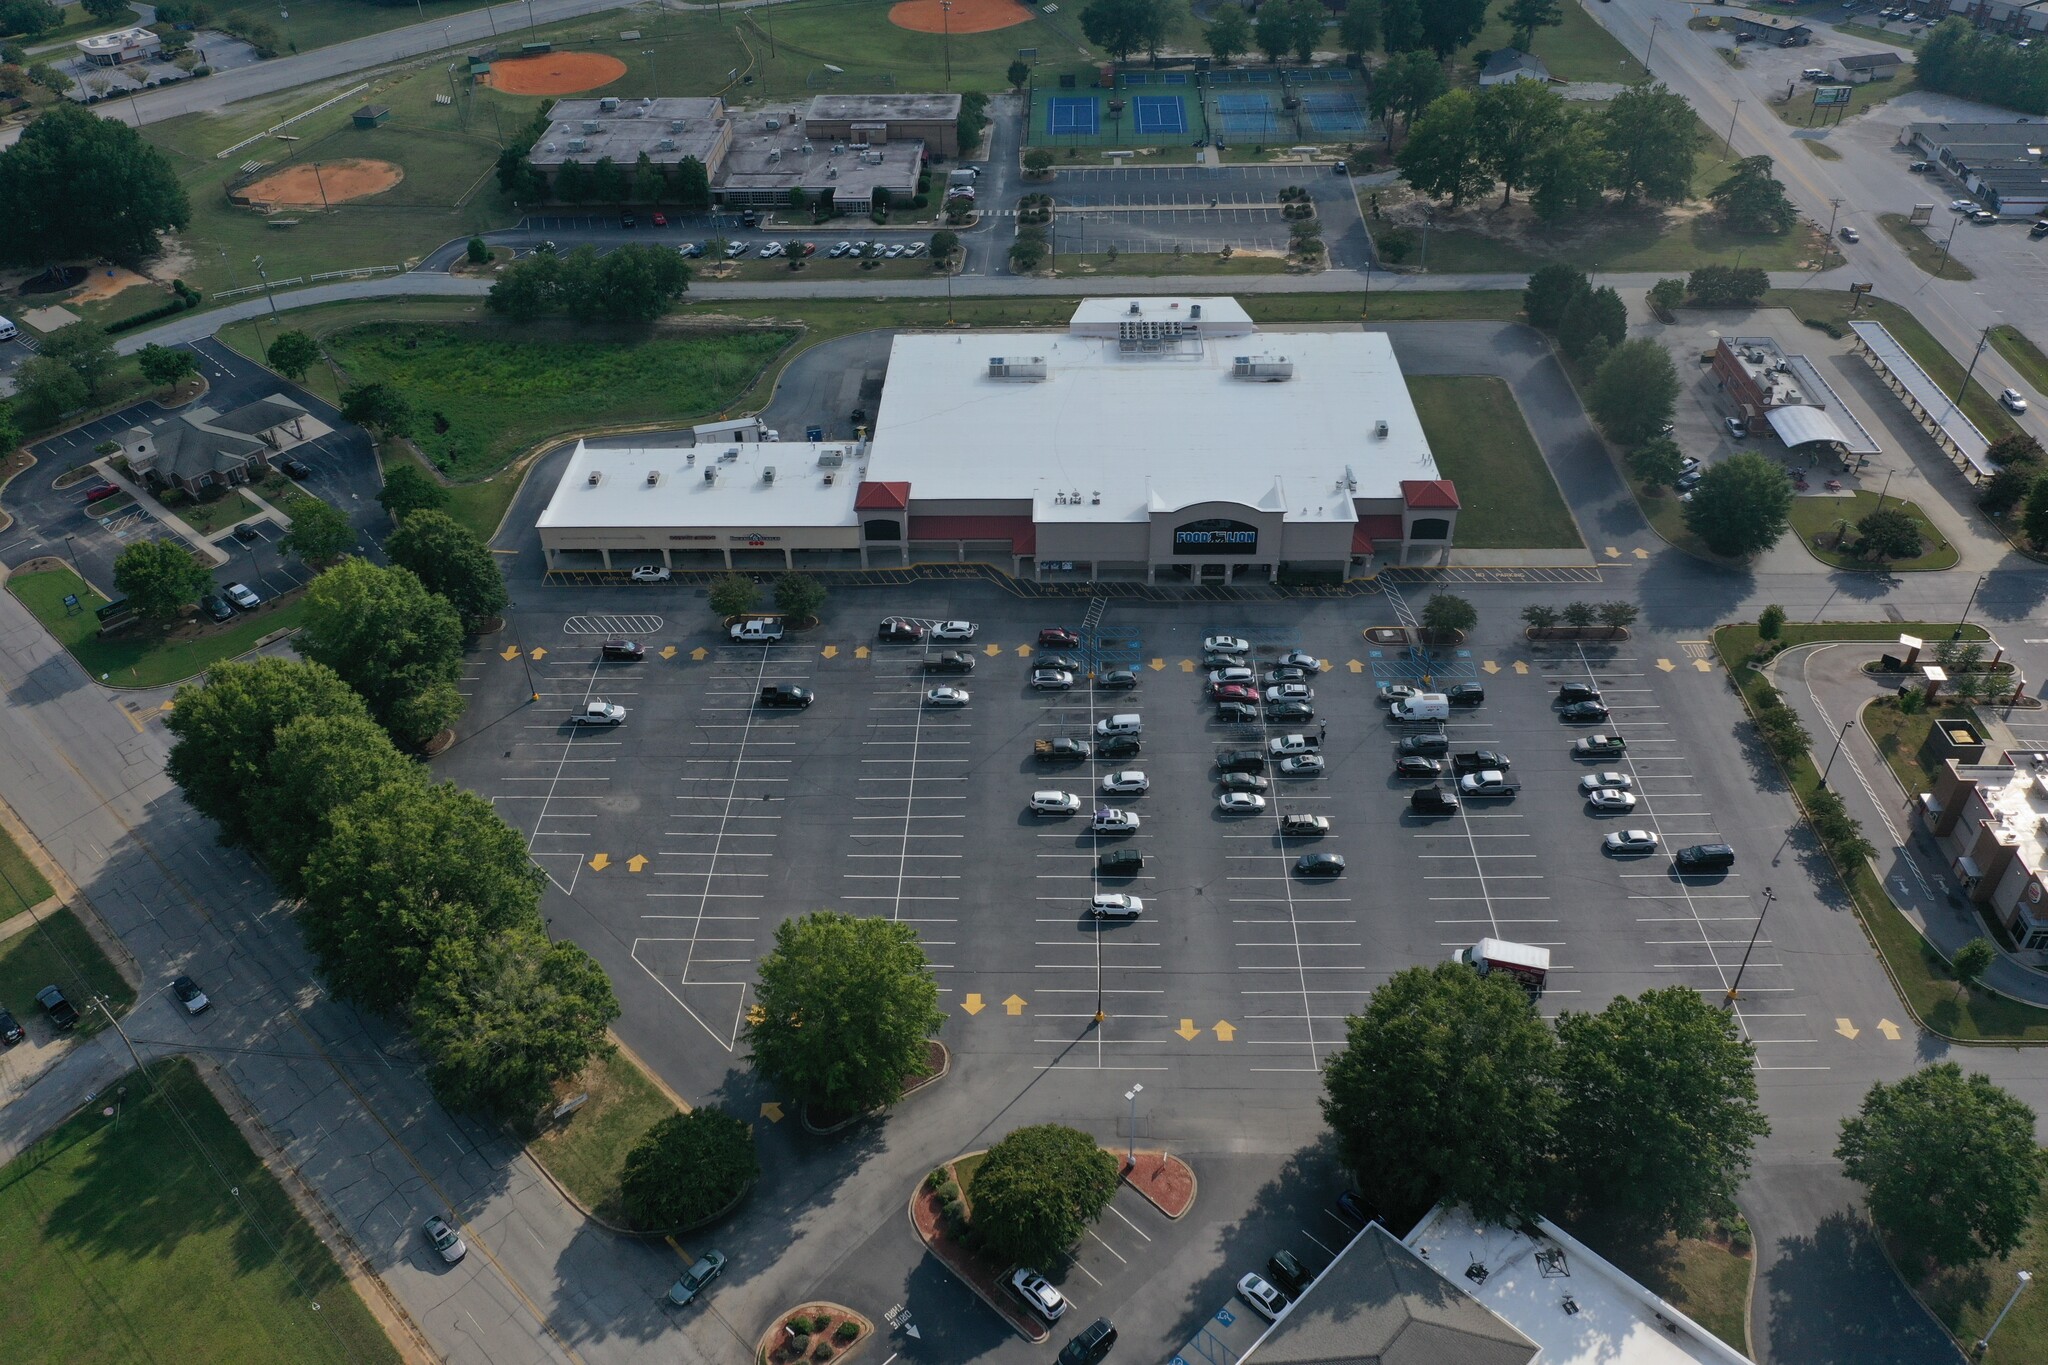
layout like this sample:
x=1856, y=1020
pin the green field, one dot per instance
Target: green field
x=1898, y=738
x=140, y=657
x=335, y=21
x=1576, y=50
x=55, y=950
x=1481, y=443
x=158, y=1235
x=2022, y=354
x=20, y=884
x=586, y=1152
x=1817, y=521
x=1166, y=263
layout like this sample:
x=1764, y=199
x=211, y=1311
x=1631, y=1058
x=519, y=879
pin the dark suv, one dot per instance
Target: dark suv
x=1241, y=761
x=1465, y=694
x=1092, y=1346
x=10, y=1030
x=1432, y=745
x=622, y=651
x=1705, y=858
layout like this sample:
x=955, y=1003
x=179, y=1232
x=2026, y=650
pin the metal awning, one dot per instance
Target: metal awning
x=1798, y=425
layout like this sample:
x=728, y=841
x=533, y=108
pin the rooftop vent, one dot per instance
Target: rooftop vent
x=711, y=473
x=1265, y=369
x=1026, y=367
x=774, y=154
x=1379, y=429
x=1194, y=310
x=653, y=478
x=1135, y=310
x=767, y=473
x=594, y=477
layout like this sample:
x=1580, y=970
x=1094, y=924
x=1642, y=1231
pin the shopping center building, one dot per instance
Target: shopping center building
x=1160, y=439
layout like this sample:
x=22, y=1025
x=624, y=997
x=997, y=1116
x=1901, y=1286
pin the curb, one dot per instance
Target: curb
x=1036, y=1335
x=764, y=1344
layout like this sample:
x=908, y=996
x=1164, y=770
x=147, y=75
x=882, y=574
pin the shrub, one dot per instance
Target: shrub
x=935, y=1178
x=822, y=1351
x=802, y=1325
x=847, y=1330
x=687, y=1168
x=800, y=1343
x=1770, y=622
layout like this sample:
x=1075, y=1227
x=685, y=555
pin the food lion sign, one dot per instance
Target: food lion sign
x=1216, y=536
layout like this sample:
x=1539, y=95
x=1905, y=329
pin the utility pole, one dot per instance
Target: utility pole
x=1834, y=207
x=1941, y=270
x=946, y=22
x=1975, y=356
x=1655, y=24
x=1728, y=142
x=1957, y=635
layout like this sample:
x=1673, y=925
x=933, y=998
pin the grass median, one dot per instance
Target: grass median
x=2022, y=354
x=1476, y=432
x=1921, y=249
x=586, y=1151
x=55, y=950
x=143, y=655
x=20, y=884
x=1822, y=522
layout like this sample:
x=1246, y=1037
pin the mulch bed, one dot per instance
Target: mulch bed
x=823, y=1319
x=1166, y=1182
x=984, y=1279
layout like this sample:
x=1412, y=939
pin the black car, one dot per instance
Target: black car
x=216, y=606
x=622, y=651
x=1120, y=862
x=1429, y=746
x=1118, y=678
x=1319, y=865
x=1282, y=712
x=1575, y=691
x=1433, y=801
x=10, y=1030
x=1288, y=1272
x=953, y=661
x=1240, y=712
x=1465, y=694
x=62, y=1015
x=298, y=469
x=627, y=220
x=245, y=533
x=1118, y=746
x=1218, y=659
x=1241, y=761
x=1064, y=662
x=1092, y=1346
x=1584, y=711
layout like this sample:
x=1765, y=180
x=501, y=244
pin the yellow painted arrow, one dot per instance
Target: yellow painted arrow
x=1666, y=665
x=637, y=861
x=1355, y=666
x=974, y=1004
x=1703, y=665
x=1014, y=1004
x=539, y=653
x=830, y=651
x=1613, y=553
x=1156, y=665
x=1322, y=665
x=1188, y=1030
x=601, y=862
x=1640, y=553
x=1023, y=651
x=861, y=651
x=1846, y=1029
x=992, y=650
x=511, y=653
x=1225, y=1030
x=772, y=1112
x=1490, y=666
x=1187, y=665
x=668, y=651
x=1521, y=667
x=1888, y=1029
x=698, y=653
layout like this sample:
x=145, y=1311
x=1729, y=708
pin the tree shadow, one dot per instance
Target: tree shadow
x=1680, y=592
x=1835, y=1300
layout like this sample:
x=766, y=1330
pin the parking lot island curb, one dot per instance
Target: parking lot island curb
x=925, y=1201
x=1161, y=1167
x=764, y=1346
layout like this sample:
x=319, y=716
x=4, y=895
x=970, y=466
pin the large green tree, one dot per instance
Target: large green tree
x=1652, y=136
x=1273, y=30
x=1657, y=461
x=397, y=644
x=1570, y=170
x=1592, y=315
x=226, y=729
x=1887, y=533
x=408, y=489
x=1306, y=20
x=78, y=185
x=29, y=18
x=1660, y=1110
x=1550, y=291
x=453, y=562
x=687, y=1168
x=160, y=578
x=403, y=870
x=165, y=366
x=1751, y=199
x=318, y=765
x=1526, y=16
x=1358, y=29
x=1446, y=1089
x=1517, y=120
x=1406, y=84
x=2034, y=519
x=1448, y=25
x=378, y=405
x=1446, y=154
x=1741, y=506
x=848, y=1005
x=45, y=390
x=1635, y=392
x=321, y=532
x=86, y=350
x=1118, y=27
x=501, y=1019
x=1037, y=1191
x=1229, y=34
x=292, y=354
x=1948, y=1162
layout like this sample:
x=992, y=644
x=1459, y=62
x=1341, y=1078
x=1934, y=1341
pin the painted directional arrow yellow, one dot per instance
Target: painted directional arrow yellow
x=1613, y=553
x=1490, y=666
x=772, y=1112
x=992, y=650
x=1354, y=666
x=698, y=653
x=1156, y=665
x=1023, y=651
x=1640, y=553
x=1703, y=665
x=668, y=651
x=511, y=653
x=1888, y=1029
x=637, y=861
x=1846, y=1029
x=1187, y=665
x=1225, y=1030
x=1666, y=665
x=1188, y=1030
x=830, y=651
x=539, y=653
x=600, y=862
x=1521, y=667
x=1014, y=1004
x=974, y=1004
x=861, y=651
x=1322, y=665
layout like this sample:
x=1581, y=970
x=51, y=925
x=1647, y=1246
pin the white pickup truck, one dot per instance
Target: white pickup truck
x=757, y=630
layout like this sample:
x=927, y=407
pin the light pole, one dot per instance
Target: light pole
x=946, y=22
x=2025, y=1277
x=1728, y=142
x=1884, y=488
x=1975, y=356
x=1735, y=991
x=1842, y=734
x=1655, y=24
x=1958, y=632
x=1941, y=270
x=1834, y=207
x=1131, y=1152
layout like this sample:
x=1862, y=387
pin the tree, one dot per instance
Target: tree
x=1741, y=506
x=637, y=283
x=408, y=489
x=226, y=730
x=1770, y=623
x=1118, y=27
x=945, y=245
x=1400, y=25
x=320, y=533
x=1633, y=395
x=607, y=182
x=44, y=390
x=1038, y=1189
x=160, y=578
x=1660, y=1109
x=389, y=638
x=1657, y=461
x=1751, y=199
x=2016, y=448
x=1445, y=1089
x=10, y=429
x=687, y=1168
x=572, y=182
x=1445, y=155
x=1667, y=294
x=501, y=1019
x=1887, y=533
x=1570, y=170
x=2002, y=492
x=378, y=405
x=1971, y=961
x=649, y=185
x=1579, y=614
x=2034, y=521
x=1538, y=616
x=692, y=187
x=1526, y=16
x=1596, y=313
x=1550, y=290
x=734, y=594
x=1018, y=73
x=318, y=765
x=478, y=251
x=1948, y=1162
x=1447, y=615
x=1722, y=286
x=1516, y=121
x=106, y=11
x=1038, y=160
x=527, y=289
x=1358, y=31
x=78, y=185
x=1229, y=34
x=848, y=1005
x=292, y=354
x=1617, y=616
x=799, y=596
x=1653, y=136
x=85, y=350
x=1448, y=25
x=1305, y=21
x=165, y=366
x=1273, y=29
x=1405, y=85
x=453, y=562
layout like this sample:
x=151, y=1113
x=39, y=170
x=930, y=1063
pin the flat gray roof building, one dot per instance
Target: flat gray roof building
x=667, y=130
x=890, y=106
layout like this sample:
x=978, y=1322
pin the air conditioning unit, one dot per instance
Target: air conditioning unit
x=653, y=478
x=675, y=125
x=1263, y=369
x=831, y=459
x=608, y=103
x=577, y=144
x=667, y=144
x=774, y=155
x=590, y=125
x=711, y=473
x=1379, y=429
x=767, y=473
x=1026, y=367
x=773, y=124
x=731, y=453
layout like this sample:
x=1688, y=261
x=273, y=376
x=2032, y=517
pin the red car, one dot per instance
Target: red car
x=1057, y=637
x=1234, y=692
x=810, y=248
x=898, y=629
x=660, y=220
x=100, y=491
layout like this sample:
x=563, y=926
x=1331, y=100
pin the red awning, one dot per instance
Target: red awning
x=1369, y=529
x=1440, y=494
x=881, y=496
x=1019, y=531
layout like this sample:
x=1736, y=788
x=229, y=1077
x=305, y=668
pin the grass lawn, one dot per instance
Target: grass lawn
x=1799, y=111
x=20, y=884
x=1624, y=241
x=1703, y=1278
x=333, y=21
x=1166, y=263
x=1820, y=149
x=1576, y=50
x=1920, y=973
x=1480, y=441
x=1896, y=37
x=586, y=1152
x=1923, y=250
x=2022, y=354
x=56, y=950
x=1832, y=307
x=218, y=515
x=1816, y=521
x=1967, y=1298
x=159, y=1232
x=140, y=657
x=1898, y=738
x=77, y=23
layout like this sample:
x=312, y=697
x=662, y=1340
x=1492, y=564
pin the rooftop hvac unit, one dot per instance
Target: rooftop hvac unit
x=593, y=478
x=731, y=453
x=551, y=146
x=711, y=473
x=1379, y=429
x=577, y=144
x=807, y=149
x=831, y=172
x=1135, y=310
x=646, y=100
x=667, y=144
x=767, y=473
x=1262, y=368
x=1028, y=367
x=590, y=125
x=1194, y=310
x=675, y=125
x=838, y=147
x=653, y=478
x=831, y=459
x=774, y=154
x=773, y=124
x=608, y=103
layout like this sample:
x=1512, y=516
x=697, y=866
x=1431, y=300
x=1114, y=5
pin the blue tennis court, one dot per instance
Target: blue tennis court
x=1158, y=114
x=1260, y=77
x=1174, y=78
x=1071, y=115
x=1137, y=78
x=1332, y=111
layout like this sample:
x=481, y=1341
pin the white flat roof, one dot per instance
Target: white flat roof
x=1149, y=432
x=1220, y=311
x=740, y=498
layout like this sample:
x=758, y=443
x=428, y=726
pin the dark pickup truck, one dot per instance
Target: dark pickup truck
x=1479, y=760
x=62, y=1015
x=1061, y=750
x=786, y=696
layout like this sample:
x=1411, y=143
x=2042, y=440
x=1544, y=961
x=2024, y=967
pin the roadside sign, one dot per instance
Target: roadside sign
x=1831, y=94
x=71, y=607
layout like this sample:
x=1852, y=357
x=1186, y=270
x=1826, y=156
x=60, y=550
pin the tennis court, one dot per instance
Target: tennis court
x=1243, y=113
x=1071, y=116
x=1155, y=78
x=1158, y=114
x=1332, y=111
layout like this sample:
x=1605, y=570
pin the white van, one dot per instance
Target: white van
x=8, y=331
x=1525, y=962
x=1423, y=706
x=1128, y=724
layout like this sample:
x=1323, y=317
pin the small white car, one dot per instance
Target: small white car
x=1393, y=691
x=1240, y=803
x=1051, y=679
x=2013, y=400
x=1219, y=676
x=915, y=249
x=1129, y=782
x=444, y=1239
x=650, y=573
x=1265, y=1300
x=243, y=596
x=1630, y=841
x=599, y=713
x=893, y=252
x=1039, y=1293
x=735, y=250
x=1293, y=744
x=771, y=249
x=1593, y=782
x=1226, y=644
x=1607, y=799
x=1109, y=821
x=840, y=249
x=1291, y=692
x=1117, y=905
x=947, y=696
x=1054, y=803
x=1963, y=205
x=954, y=630
x=1302, y=765
x=1301, y=658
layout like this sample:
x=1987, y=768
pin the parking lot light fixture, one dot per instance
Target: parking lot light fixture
x=1965, y=619
x=1131, y=1151
x=1847, y=726
x=1735, y=991
x=2025, y=1277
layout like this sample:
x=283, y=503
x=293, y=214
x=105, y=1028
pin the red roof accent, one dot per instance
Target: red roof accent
x=1430, y=493
x=1385, y=526
x=875, y=496
x=1019, y=531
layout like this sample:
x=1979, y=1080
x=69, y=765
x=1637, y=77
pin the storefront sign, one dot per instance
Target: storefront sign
x=1215, y=536
x=752, y=538
x=682, y=535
